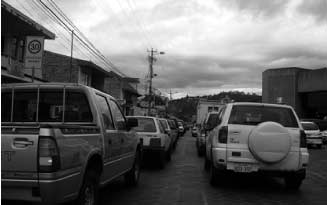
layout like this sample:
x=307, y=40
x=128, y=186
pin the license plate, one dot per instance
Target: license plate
x=244, y=168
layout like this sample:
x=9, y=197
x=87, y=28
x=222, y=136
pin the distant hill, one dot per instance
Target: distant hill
x=185, y=108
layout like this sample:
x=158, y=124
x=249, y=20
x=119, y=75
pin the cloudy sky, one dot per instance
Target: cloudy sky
x=209, y=45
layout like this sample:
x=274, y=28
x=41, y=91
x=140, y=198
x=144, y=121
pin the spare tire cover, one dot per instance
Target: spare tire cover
x=269, y=142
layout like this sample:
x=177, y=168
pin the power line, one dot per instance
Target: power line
x=91, y=47
x=139, y=23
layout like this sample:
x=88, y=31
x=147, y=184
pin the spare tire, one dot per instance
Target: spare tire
x=269, y=142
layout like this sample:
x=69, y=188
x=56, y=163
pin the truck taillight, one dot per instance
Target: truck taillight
x=223, y=133
x=49, y=160
x=303, y=139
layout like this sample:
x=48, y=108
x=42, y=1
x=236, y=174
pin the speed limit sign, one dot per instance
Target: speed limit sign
x=34, y=51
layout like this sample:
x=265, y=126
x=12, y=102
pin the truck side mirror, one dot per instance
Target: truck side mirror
x=208, y=127
x=132, y=122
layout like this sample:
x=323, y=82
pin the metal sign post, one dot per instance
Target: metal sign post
x=34, y=53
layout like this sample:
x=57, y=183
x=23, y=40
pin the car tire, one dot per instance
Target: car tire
x=168, y=155
x=213, y=175
x=293, y=182
x=206, y=164
x=162, y=160
x=89, y=193
x=200, y=152
x=133, y=175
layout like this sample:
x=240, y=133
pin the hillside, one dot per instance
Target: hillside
x=185, y=108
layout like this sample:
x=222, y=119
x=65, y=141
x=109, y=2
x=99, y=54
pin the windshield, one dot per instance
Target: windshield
x=309, y=126
x=29, y=105
x=254, y=115
x=145, y=125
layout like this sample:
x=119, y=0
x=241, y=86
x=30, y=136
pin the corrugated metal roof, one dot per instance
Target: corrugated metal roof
x=48, y=34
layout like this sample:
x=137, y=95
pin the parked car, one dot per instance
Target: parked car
x=155, y=138
x=60, y=142
x=312, y=131
x=181, y=129
x=173, y=131
x=258, y=138
x=195, y=131
x=324, y=136
x=168, y=130
x=211, y=117
x=201, y=142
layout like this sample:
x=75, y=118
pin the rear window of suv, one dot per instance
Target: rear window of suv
x=254, y=115
x=145, y=125
x=45, y=105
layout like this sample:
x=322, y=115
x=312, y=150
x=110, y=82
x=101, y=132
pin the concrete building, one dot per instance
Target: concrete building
x=303, y=89
x=15, y=27
x=57, y=68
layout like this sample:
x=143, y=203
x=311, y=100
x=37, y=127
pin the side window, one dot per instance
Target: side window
x=117, y=116
x=6, y=98
x=77, y=108
x=162, y=130
x=164, y=124
x=213, y=120
x=106, y=116
x=25, y=106
x=221, y=114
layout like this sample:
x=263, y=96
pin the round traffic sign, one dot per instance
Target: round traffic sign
x=34, y=46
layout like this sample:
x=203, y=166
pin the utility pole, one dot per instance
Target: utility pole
x=150, y=80
x=151, y=60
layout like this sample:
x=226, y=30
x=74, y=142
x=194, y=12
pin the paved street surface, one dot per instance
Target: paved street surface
x=184, y=181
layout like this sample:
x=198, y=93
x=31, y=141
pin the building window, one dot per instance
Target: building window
x=85, y=78
x=13, y=47
x=20, y=49
x=2, y=44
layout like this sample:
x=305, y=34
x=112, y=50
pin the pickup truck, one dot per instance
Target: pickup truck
x=61, y=142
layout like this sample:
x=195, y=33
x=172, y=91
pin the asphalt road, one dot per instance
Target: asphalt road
x=184, y=181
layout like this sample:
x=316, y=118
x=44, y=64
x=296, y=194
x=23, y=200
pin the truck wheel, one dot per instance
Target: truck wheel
x=133, y=175
x=319, y=146
x=293, y=182
x=89, y=193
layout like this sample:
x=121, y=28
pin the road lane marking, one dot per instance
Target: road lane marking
x=318, y=175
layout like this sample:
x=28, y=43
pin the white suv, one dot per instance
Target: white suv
x=256, y=137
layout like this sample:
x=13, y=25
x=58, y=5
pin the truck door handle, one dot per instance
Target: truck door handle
x=122, y=140
x=22, y=142
x=109, y=141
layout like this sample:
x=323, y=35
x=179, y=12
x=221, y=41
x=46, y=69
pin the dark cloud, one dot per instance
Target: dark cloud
x=315, y=8
x=265, y=8
x=295, y=52
x=194, y=71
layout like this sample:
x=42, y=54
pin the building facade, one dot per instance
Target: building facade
x=60, y=68
x=15, y=27
x=304, y=89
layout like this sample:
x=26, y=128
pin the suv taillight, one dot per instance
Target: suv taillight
x=223, y=133
x=49, y=160
x=303, y=139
